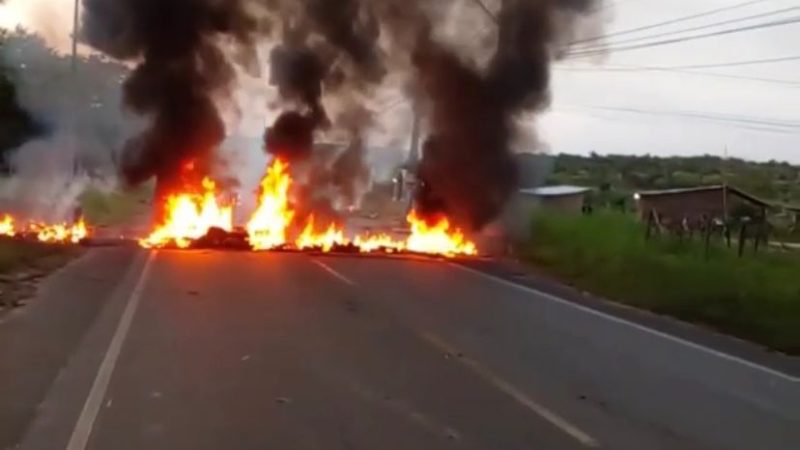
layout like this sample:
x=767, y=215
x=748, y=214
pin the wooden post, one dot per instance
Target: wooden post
x=728, y=234
x=757, y=239
x=742, y=237
x=649, y=229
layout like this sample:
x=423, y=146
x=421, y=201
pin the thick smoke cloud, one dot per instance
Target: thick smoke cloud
x=181, y=70
x=468, y=169
x=78, y=127
x=326, y=51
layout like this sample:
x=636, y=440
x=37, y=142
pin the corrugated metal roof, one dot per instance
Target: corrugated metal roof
x=718, y=187
x=715, y=187
x=555, y=191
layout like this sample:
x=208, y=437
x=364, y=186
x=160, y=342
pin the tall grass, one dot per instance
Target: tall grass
x=756, y=297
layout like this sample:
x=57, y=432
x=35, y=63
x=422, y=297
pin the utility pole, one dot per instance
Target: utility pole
x=724, y=185
x=413, y=152
x=75, y=30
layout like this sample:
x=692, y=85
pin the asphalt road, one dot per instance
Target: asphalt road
x=212, y=350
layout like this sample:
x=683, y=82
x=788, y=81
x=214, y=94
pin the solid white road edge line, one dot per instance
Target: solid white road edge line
x=336, y=274
x=83, y=427
x=669, y=337
x=513, y=392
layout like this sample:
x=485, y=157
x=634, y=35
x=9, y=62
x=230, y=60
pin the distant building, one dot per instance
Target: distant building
x=718, y=202
x=566, y=199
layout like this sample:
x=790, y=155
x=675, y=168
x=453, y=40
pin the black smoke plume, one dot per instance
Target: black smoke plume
x=334, y=49
x=468, y=169
x=181, y=68
x=330, y=50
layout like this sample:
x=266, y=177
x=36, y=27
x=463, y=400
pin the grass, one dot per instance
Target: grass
x=114, y=207
x=756, y=297
x=16, y=254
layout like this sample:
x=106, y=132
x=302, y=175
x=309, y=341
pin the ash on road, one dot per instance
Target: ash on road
x=210, y=350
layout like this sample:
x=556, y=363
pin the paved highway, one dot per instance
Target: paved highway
x=211, y=350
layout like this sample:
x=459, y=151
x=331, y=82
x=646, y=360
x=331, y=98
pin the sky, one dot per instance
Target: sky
x=606, y=103
x=659, y=112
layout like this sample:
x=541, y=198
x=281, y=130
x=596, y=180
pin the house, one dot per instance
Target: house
x=718, y=202
x=567, y=199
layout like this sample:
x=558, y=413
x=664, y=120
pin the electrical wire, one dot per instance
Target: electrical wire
x=664, y=23
x=686, y=30
x=788, y=83
x=758, y=26
x=756, y=124
x=720, y=117
x=737, y=63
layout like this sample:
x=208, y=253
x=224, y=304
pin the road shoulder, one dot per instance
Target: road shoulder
x=38, y=341
x=698, y=335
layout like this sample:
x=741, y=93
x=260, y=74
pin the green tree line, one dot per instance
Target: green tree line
x=618, y=176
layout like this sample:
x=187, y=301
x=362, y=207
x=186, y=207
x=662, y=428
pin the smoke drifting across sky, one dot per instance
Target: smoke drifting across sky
x=337, y=52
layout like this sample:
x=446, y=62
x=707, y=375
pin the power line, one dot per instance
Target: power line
x=763, y=25
x=751, y=123
x=685, y=30
x=667, y=22
x=768, y=122
x=788, y=83
x=737, y=63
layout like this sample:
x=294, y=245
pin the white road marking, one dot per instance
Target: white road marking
x=336, y=274
x=513, y=392
x=669, y=337
x=83, y=427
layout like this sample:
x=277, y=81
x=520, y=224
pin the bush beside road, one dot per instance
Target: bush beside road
x=756, y=297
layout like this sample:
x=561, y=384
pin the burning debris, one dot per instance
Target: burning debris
x=56, y=233
x=190, y=216
x=267, y=227
x=198, y=220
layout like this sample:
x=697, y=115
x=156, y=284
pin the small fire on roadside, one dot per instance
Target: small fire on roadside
x=190, y=216
x=7, y=226
x=61, y=233
x=56, y=233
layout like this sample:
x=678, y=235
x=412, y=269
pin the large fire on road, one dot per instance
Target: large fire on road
x=190, y=216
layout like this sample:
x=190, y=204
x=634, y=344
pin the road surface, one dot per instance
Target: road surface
x=213, y=350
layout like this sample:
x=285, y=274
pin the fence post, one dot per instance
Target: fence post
x=728, y=234
x=742, y=236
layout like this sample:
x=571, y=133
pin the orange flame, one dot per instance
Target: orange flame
x=7, y=226
x=60, y=233
x=189, y=216
x=267, y=227
x=325, y=241
x=437, y=238
x=378, y=243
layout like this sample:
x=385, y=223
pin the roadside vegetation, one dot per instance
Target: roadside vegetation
x=108, y=208
x=16, y=254
x=756, y=297
x=23, y=263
